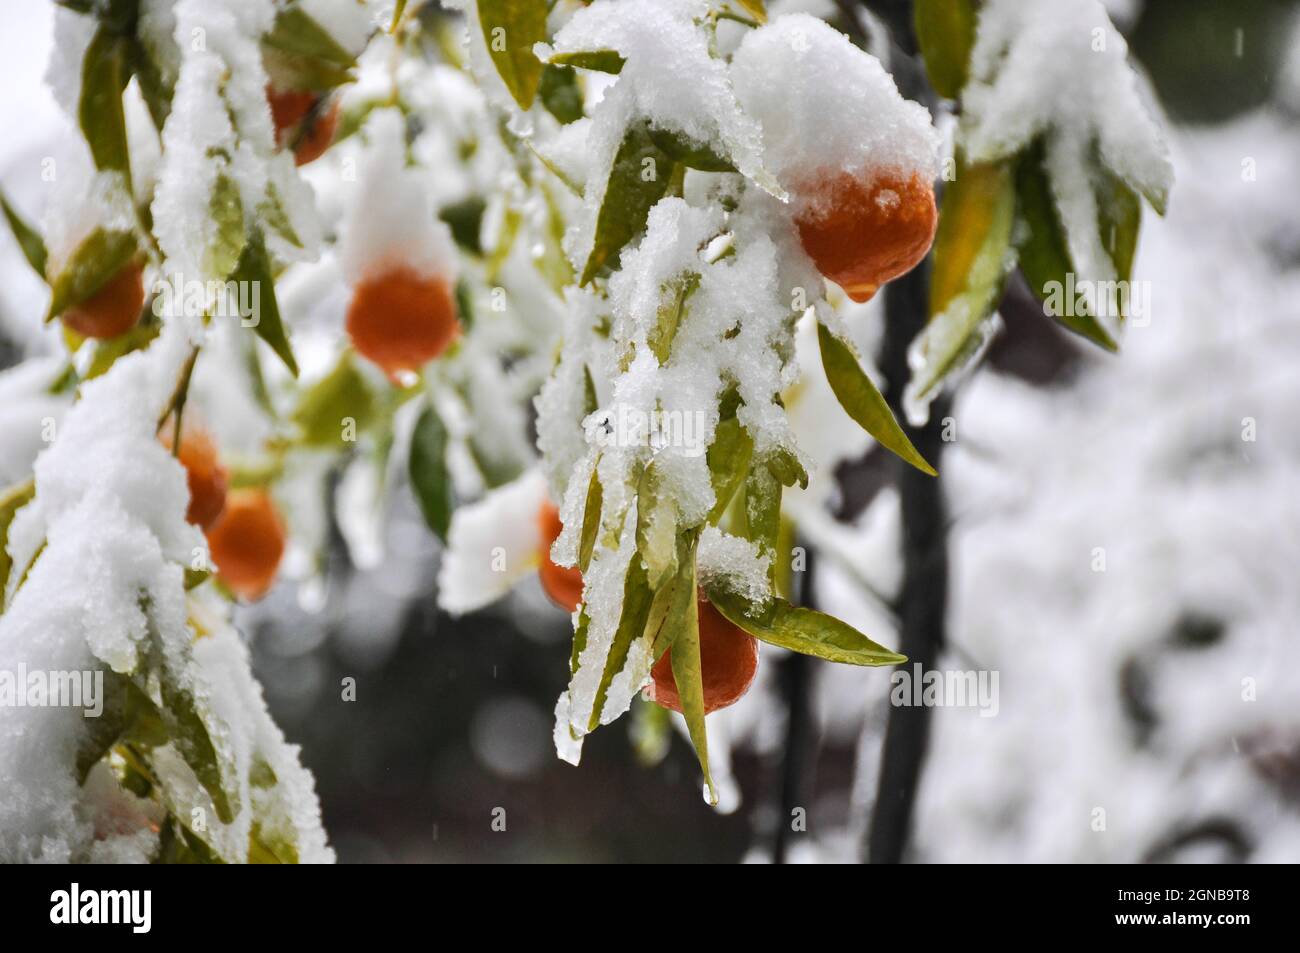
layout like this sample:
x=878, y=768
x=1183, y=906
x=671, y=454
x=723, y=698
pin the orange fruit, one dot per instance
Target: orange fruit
x=247, y=542
x=401, y=319
x=289, y=110
x=112, y=310
x=203, y=472
x=728, y=661
x=864, y=230
x=562, y=583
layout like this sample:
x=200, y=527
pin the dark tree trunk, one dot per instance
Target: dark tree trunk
x=797, y=762
x=923, y=600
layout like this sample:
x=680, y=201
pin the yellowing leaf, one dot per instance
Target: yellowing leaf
x=971, y=260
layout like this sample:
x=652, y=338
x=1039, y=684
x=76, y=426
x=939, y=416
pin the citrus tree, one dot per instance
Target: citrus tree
x=592, y=281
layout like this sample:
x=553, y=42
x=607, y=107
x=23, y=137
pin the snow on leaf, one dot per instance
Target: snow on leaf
x=971, y=259
x=94, y=262
x=638, y=178
x=1060, y=70
x=1045, y=256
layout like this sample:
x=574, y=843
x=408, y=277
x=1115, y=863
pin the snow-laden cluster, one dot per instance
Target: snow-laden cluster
x=1060, y=71
x=98, y=587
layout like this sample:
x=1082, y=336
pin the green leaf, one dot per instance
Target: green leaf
x=255, y=266
x=93, y=264
x=465, y=219
x=785, y=466
x=11, y=501
x=672, y=308
x=637, y=597
x=690, y=154
x=325, y=408
x=728, y=458
x=945, y=31
x=579, y=638
x=271, y=211
x=971, y=260
x=227, y=211
x=428, y=471
x=667, y=611
x=29, y=240
x=862, y=401
x=189, y=732
x=590, y=521
x=126, y=709
x=656, y=527
x=599, y=61
x=1119, y=218
x=802, y=630
x=639, y=178
x=560, y=93
x=107, y=352
x=299, y=53
x=156, y=87
x=1044, y=252
x=105, y=72
x=688, y=672
x=762, y=510
x=510, y=29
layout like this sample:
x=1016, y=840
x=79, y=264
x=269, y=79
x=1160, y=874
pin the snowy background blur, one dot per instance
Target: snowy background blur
x=1163, y=691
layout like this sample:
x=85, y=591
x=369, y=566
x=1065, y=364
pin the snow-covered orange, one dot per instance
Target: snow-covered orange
x=247, y=542
x=112, y=310
x=728, y=661
x=562, y=583
x=203, y=472
x=864, y=230
x=301, y=118
x=401, y=319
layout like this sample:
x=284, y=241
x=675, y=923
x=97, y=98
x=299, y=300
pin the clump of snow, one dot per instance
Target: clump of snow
x=1060, y=71
x=29, y=415
x=390, y=222
x=736, y=562
x=492, y=544
x=220, y=125
x=98, y=587
x=669, y=78
x=826, y=107
x=85, y=200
